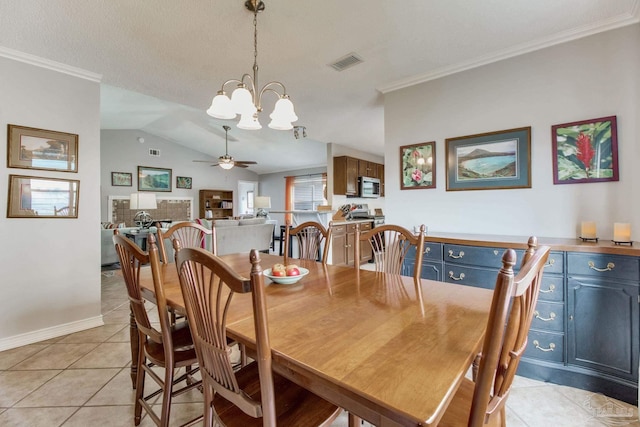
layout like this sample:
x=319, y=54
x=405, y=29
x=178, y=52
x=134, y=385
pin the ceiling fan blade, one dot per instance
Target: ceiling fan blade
x=246, y=162
x=240, y=165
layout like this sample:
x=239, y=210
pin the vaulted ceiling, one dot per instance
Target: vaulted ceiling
x=162, y=61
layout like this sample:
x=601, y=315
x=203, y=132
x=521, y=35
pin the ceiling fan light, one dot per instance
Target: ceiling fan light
x=283, y=111
x=249, y=122
x=226, y=165
x=242, y=101
x=221, y=107
x=280, y=125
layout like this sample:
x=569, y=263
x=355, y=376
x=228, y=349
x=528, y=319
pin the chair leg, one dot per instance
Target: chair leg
x=208, y=408
x=166, y=396
x=141, y=360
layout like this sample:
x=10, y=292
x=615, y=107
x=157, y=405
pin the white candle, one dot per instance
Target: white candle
x=621, y=232
x=588, y=230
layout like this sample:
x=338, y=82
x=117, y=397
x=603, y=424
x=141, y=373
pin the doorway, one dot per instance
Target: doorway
x=247, y=190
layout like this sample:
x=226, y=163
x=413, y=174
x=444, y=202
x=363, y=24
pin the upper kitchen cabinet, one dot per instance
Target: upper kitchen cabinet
x=345, y=176
x=347, y=170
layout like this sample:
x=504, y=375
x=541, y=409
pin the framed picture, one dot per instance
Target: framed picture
x=418, y=166
x=37, y=197
x=121, y=179
x=489, y=161
x=31, y=148
x=183, y=182
x=154, y=179
x=585, y=151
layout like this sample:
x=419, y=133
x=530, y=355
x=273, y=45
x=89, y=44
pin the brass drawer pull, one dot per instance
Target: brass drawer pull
x=610, y=266
x=454, y=256
x=551, y=289
x=551, y=347
x=552, y=316
x=427, y=250
x=451, y=276
x=550, y=263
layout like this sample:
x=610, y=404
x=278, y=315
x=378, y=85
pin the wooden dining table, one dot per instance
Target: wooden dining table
x=384, y=347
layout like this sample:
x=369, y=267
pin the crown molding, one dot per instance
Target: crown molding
x=611, y=24
x=49, y=64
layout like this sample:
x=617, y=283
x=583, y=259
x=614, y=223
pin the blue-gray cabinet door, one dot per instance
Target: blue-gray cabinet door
x=603, y=322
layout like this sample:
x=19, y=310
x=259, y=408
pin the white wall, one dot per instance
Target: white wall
x=121, y=152
x=50, y=267
x=584, y=79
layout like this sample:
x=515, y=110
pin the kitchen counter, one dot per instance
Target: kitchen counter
x=351, y=221
x=300, y=216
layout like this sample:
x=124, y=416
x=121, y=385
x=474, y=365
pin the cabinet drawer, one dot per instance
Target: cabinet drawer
x=471, y=276
x=551, y=288
x=603, y=265
x=555, y=263
x=483, y=257
x=548, y=316
x=432, y=251
x=545, y=346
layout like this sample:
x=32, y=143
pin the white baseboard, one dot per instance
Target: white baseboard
x=48, y=333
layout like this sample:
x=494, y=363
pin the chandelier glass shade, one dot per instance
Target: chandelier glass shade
x=246, y=99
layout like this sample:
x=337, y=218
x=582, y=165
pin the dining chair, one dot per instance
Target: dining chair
x=253, y=395
x=63, y=211
x=482, y=402
x=389, y=245
x=191, y=235
x=170, y=348
x=312, y=238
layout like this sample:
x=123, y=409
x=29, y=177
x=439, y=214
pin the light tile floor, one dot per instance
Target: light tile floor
x=83, y=380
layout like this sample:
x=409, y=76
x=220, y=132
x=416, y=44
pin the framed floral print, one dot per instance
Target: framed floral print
x=418, y=166
x=585, y=151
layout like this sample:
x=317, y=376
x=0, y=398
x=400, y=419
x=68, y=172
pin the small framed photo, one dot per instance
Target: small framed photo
x=31, y=148
x=37, y=197
x=418, y=166
x=121, y=179
x=489, y=161
x=184, y=182
x=154, y=179
x=585, y=151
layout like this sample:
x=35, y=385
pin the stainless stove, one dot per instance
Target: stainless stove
x=361, y=211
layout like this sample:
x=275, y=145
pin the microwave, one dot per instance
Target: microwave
x=369, y=187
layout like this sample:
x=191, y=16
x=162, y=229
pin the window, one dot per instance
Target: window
x=309, y=192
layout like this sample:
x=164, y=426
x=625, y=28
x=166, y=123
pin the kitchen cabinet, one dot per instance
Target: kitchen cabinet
x=381, y=178
x=343, y=241
x=215, y=204
x=345, y=176
x=347, y=170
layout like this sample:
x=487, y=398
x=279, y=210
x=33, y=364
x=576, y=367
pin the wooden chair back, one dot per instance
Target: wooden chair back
x=313, y=241
x=132, y=258
x=190, y=234
x=208, y=286
x=64, y=211
x=390, y=245
x=512, y=307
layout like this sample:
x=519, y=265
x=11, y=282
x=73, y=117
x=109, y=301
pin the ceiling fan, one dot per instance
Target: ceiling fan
x=226, y=161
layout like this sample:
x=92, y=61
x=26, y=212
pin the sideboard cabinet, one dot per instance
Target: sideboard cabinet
x=586, y=327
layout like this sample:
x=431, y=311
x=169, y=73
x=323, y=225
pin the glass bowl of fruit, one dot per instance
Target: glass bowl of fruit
x=285, y=274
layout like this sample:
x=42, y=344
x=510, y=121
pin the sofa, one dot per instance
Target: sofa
x=107, y=250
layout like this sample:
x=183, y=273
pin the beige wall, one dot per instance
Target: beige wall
x=50, y=268
x=589, y=78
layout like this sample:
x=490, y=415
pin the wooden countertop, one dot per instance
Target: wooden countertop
x=350, y=221
x=603, y=246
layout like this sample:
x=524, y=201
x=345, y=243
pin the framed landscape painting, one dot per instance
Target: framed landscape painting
x=31, y=148
x=184, y=182
x=489, y=161
x=418, y=166
x=154, y=179
x=585, y=151
x=121, y=179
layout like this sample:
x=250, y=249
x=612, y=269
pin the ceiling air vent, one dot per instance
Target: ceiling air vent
x=346, y=61
x=154, y=152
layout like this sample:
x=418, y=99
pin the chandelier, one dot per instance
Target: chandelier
x=246, y=99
